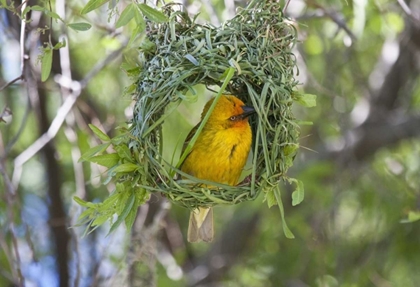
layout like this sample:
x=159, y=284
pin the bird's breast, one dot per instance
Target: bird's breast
x=219, y=155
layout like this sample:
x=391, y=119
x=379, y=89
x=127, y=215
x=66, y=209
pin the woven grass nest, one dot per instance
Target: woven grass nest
x=248, y=56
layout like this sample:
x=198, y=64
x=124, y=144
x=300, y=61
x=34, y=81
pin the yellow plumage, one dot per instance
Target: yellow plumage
x=218, y=155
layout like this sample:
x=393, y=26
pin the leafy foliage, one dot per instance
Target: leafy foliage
x=358, y=224
x=270, y=89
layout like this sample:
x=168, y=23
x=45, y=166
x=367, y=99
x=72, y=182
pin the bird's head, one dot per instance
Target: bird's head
x=228, y=112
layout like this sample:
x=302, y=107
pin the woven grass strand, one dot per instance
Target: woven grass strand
x=180, y=54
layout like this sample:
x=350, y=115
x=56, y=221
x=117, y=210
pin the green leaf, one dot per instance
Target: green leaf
x=53, y=15
x=124, y=152
x=290, y=149
x=153, y=14
x=92, y=151
x=83, y=203
x=193, y=60
x=299, y=194
x=46, y=64
x=131, y=217
x=60, y=45
x=100, y=134
x=92, y=5
x=126, y=167
x=128, y=205
x=24, y=12
x=412, y=217
x=100, y=219
x=304, y=123
x=271, y=198
x=139, y=19
x=80, y=26
x=137, y=32
x=126, y=15
x=108, y=160
x=37, y=8
x=85, y=216
x=306, y=100
x=147, y=46
x=286, y=229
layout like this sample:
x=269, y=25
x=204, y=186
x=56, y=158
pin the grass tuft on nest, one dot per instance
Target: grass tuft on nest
x=249, y=56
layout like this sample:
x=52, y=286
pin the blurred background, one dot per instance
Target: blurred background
x=359, y=161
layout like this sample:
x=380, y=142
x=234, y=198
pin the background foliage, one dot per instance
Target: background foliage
x=359, y=161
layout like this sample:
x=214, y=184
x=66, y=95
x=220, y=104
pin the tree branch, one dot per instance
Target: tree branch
x=62, y=112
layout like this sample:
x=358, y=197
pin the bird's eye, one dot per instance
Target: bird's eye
x=233, y=118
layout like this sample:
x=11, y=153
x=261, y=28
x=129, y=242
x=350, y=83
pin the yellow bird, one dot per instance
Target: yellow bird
x=219, y=154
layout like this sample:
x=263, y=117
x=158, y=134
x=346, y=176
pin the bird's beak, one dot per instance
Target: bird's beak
x=247, y=111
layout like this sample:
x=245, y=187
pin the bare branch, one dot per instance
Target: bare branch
x=408, y=11
x=62, y=112
x=22, y=39
x=285, y=6
x=12, y=142
x=11, y=82
x=335, y=16
x=142, y=255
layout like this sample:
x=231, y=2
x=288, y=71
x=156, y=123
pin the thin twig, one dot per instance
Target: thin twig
x=71, y=136
x=11, y=82
x=22, y=39
x=143, y=251
x=408, y=11
x=285, y=6
x=62, y=112
x=335, y=16
x=20, y=130
x=45, y=138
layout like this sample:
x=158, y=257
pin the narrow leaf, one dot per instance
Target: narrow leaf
x=153, y=14
x=124, y=152
x=79, y=26
x=83, y=203
x=131, y=217
x=92, y=5
x=139, y=18
x=304, y=123
x=193, y=60
x=60, y=45
x=46, y=64
x=306, y=100
x=108, y=160
x=270, y=198
x=128, y=206
x=53, y=15
x=126, y=167
x=24, y=12
x=286, y=229
x=100, y=134
x=101, y=219
x=299, y=193
x=92, y=151
x=126, y=15
x=37, y=8
x=412, y=217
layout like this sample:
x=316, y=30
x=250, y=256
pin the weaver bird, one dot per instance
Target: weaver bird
x=219, y=155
